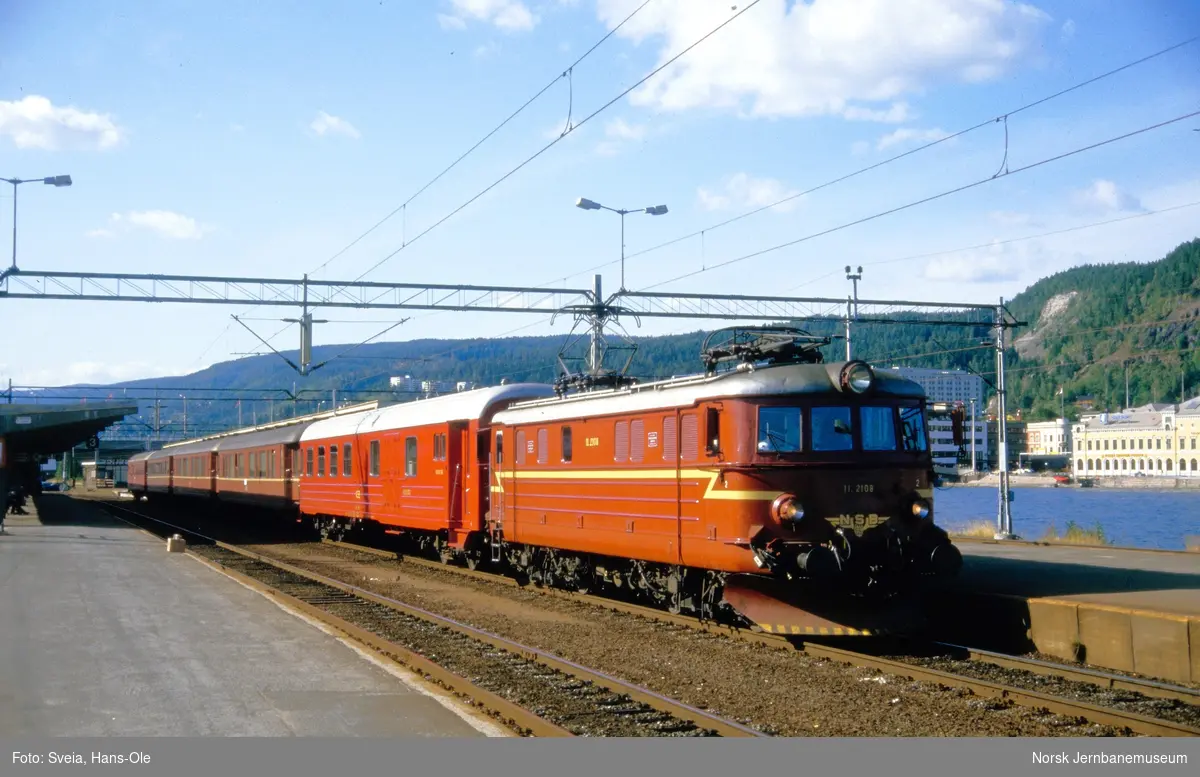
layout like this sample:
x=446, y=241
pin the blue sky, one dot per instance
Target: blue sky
x=228, y=138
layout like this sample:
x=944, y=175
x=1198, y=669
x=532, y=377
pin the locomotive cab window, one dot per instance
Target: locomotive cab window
x=779, y=430
x=832, y=429
x=499, y=447
x=333, y=461
x=878, y=426
x=347, y=454
x=912, y=429
x=374, y=463
x=712, y=431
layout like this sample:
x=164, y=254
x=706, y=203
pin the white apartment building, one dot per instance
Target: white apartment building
x=952, y=386
x=1048, y=438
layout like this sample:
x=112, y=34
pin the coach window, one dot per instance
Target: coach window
x=308, y=463
x=271, y=465
x=333, y=470
x=347, y=452
x=410, y=457
x=566, y=444
x=374, y=458
x=712, y=427
x=320, y=460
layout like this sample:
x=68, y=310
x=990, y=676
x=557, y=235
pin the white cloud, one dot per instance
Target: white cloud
x=333, y=125
x=1068, y=29
x=853, y=58
x=985, y=265
x=100, y=372
x=1011, y=218
x=908, y=135
x=486, y=50
x=164, y=222
x=743, y=192
x=623, y=130
x=507, y=15
x=617, y=134
x=894, y=114
x=35, y=122
x=1107, y=196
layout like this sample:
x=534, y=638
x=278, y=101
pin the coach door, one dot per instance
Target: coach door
x=496, y=487
x=454, y=454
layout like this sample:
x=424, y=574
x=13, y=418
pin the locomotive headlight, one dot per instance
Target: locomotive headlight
x=857, y=377
x=921, y=508
x=786, y=509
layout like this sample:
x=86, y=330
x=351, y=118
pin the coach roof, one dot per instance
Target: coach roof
x=463, y=406
x=686, y=392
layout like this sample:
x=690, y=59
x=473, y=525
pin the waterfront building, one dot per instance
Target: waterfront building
x=1154, y=440
x=1048, y=438
x=1016, y=433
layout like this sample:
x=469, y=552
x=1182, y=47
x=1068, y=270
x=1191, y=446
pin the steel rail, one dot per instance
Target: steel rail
x=677, y=709
x=1138, y=723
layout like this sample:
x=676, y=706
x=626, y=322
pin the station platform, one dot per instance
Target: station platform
x=1119, y=608
x=104, y=633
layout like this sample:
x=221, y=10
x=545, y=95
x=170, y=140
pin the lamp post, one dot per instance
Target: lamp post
x=656, y=210
x=855, y=277
x=54, y=180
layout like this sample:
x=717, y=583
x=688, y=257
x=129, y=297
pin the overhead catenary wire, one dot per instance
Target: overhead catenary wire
x=997, y=119
x=1009, y=241
x=923, y=201
x=556, y=141
x=566, y=74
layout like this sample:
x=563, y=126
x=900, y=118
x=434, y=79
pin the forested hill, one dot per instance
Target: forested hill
x=1084, y=325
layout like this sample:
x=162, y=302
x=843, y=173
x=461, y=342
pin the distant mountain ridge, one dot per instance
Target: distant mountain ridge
x=1084, y=324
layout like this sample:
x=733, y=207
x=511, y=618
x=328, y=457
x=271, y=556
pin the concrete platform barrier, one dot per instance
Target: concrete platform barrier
x=1155, y=644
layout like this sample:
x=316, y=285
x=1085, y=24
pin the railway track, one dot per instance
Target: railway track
x=532, y=691
x=954, y=666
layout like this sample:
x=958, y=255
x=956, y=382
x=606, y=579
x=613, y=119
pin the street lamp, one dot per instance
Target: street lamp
x=855, y=277
x=656, y=210
x=54, y=180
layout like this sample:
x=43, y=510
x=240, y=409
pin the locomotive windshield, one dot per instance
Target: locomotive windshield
x=833, y=428
x=779, y=429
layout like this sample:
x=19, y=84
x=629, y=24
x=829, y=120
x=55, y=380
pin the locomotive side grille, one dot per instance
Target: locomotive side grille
x=670, y=442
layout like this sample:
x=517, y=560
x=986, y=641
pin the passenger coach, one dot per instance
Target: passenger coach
x=419, y=467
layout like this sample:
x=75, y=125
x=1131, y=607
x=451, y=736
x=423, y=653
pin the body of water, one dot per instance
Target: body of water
x=1135, y=518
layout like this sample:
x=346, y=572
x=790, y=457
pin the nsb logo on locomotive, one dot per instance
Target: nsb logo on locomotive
x=858, y=523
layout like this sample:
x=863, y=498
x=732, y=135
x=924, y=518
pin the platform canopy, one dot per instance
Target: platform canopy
x=35, y=430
